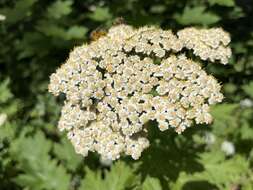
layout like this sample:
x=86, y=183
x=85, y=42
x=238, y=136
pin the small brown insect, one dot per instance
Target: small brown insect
x=102, y=31
x=97, y=33
x=118, y=21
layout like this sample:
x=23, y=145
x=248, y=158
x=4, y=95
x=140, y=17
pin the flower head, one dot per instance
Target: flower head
x=2, y=17
x=117, y=84
x=228, y=148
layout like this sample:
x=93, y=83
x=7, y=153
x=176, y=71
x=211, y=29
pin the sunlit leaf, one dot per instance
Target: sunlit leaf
x=196, y=15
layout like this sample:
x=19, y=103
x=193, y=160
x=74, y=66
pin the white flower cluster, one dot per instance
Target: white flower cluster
x=228, y=148
x=3, y=118
x=246, y=103
x=207, y=43
x=2, y=17
x=118, y=83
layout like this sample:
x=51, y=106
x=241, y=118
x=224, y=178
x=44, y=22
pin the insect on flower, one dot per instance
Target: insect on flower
x=97, y=33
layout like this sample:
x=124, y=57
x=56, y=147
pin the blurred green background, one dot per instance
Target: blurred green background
x=36, y=37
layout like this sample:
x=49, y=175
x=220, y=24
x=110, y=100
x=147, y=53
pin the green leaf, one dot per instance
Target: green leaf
x=51, y=29
x=248, y=89
x=38, y=170
x=101, y=14
x=5, y=93
x=7, y=132
x=196, y=15
x=120, y=177
x=246, y=132
x=217, y=170
x=19, y=12
x=223, y=172
x=24, y=149
x=236, y=13
x=227, y=3
x=8, y=104
x=33, y=43
x=92, y=181
x=158, y=9
x=151, y=183
x=50, y=176
x=57, y=31
x=59, y=9
x=183, y=179
x=224, y=117
x=66, y=153
x=223, y=111
x=76, y=32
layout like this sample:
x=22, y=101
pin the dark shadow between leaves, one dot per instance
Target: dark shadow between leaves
x=169, y=154
x=199, y=185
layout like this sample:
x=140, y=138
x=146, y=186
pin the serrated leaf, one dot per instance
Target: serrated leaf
x=217, y=171
x=207, y=158
x=66, y=153
x=50, y=176
x=224, y=172
x=39, y=171
x=24, y=149
x=92, y=181
x=59, y=9
x=151, y=183
x=196, y=15
x=182, y=180
x=120, y=177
